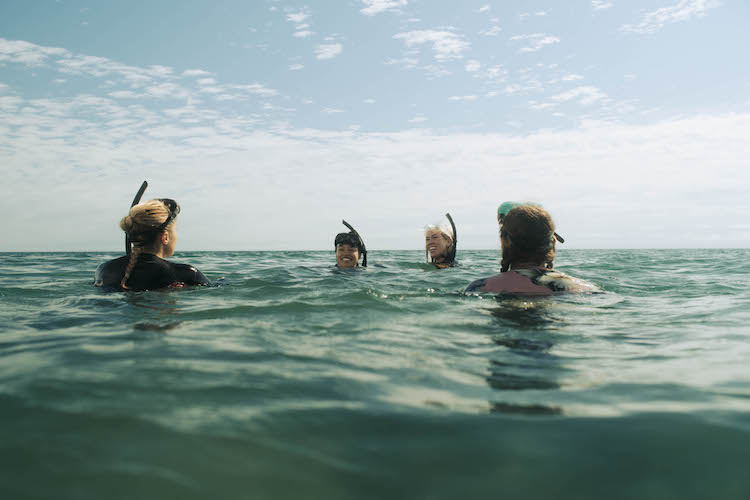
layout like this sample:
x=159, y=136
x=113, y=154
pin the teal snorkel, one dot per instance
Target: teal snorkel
x=359, y=242
x=137, y=199
x=455, y=237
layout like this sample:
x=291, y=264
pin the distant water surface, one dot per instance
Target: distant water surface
x=295, y=380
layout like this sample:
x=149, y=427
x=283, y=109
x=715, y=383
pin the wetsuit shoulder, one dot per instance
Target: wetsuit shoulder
x=189, y=275
x=110, y=273
x=476, y=286
x=511, y=282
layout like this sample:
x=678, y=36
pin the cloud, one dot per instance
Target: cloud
x=152, y=82
x=328, y=51
x=672, y=161
x=446, y=45
x=537, y=41
x=418, y=119
x=684, y=10
x=600, y=4
x=295, y=67
x=584, y=95
x=493, y=31
x=299, y=18
x=484, y=8
x=571, y=77
x=464, y=98
x=373, y=7
x=472, y=66
x=19, y=51
x=195, y=72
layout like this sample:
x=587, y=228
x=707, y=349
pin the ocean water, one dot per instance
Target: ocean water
x=295, y=380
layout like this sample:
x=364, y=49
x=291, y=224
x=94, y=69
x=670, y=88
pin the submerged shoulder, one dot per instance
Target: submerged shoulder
x=476, y=286
x=558, y=281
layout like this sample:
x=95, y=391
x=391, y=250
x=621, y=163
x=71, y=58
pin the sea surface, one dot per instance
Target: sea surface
x=291, y=379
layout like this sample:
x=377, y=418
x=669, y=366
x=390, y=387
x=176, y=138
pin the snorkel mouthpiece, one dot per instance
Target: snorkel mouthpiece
x=352, y=238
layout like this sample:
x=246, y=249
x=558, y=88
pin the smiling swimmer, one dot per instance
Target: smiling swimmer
x=527, y=237
x=440, y=244
x=349, y=247
x=150, y=229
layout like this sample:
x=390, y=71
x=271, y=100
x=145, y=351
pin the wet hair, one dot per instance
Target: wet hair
x=531, y=233
x=143, y=225
x=445, y=231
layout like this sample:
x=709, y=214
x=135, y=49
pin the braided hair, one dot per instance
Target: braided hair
x=142, y=225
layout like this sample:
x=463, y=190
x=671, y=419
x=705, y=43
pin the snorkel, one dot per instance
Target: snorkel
x=455, y=237
x=507, y=206
x=137, y=199
x=352, y=238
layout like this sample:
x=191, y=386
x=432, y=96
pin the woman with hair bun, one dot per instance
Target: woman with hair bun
x=150, y=229
x=527, y=237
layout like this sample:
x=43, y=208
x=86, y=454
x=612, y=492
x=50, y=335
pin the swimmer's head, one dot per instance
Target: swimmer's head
x=147, y=222
x=150, y=228
x=527, y=234
x=507, y=206
x=349, y=248
x=439, y=243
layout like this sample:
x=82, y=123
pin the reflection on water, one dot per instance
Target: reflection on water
x=535, y=373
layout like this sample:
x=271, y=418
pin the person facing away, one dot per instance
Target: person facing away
x=527, y=238
x=349, y=248
x=150, y=227
x=439, y=246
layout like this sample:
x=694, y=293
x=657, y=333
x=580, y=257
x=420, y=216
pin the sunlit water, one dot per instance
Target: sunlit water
x=294, y=380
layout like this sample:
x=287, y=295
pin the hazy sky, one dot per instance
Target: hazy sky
x=270, y=121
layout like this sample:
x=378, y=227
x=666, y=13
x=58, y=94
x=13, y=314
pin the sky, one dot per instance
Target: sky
x=271, y=121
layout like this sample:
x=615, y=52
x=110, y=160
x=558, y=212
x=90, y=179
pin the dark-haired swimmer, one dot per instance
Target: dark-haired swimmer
x=349, y=247
x=440, y=244
x=150, y=228
x=527, y=237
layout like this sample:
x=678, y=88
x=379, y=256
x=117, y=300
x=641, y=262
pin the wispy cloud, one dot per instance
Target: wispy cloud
x=583, y=95
x=328, y=50
x=472, y=66
x=600, y=4
x=684, y=10
x=536, y=41
x=295, y=67
x=299, y=18
x=484, y=8
x=494, y=30
x=446, y=45
x=464, y=98
x=373, y=7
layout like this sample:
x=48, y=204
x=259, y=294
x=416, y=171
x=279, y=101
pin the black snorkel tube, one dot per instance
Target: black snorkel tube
x=362, y=247
x=455, y=237
x=137, y=198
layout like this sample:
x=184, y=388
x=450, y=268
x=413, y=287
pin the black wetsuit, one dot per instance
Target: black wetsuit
x=149, y=273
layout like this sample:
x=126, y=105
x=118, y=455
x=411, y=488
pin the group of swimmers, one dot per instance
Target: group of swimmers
x=527, y=237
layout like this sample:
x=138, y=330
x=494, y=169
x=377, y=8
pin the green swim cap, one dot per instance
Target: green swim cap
x=506, y=207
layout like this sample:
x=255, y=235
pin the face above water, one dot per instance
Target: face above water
x=346, y=256
x=436, y=244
